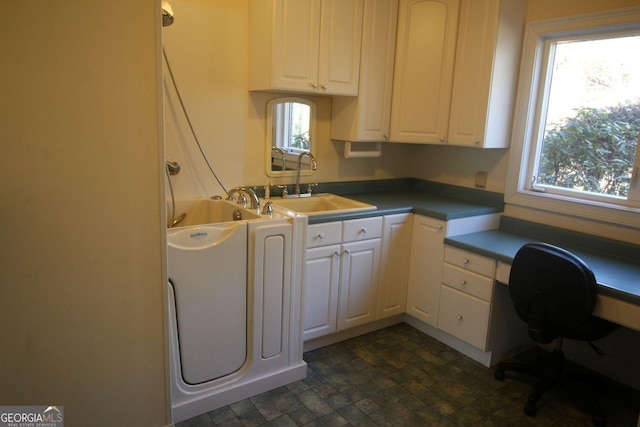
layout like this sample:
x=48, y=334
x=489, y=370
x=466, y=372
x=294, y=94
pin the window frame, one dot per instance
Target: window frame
x=530, y=104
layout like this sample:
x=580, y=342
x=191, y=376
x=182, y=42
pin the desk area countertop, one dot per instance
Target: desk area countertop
x=616, y=265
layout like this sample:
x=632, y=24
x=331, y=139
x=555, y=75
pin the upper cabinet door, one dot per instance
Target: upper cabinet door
x=305, y=46
x=340, y=40
x=296, y=40
x=486, y=71
x=366, y=118
x=425, y=54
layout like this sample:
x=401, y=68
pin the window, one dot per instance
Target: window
x=575, y=141
x=292, y=126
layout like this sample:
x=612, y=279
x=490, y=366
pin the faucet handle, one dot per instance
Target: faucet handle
x=268, y=208
x=309, y=186
x=242, y=200
x=285, y=191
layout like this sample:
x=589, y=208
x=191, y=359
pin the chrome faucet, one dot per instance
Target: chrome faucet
x=255, y=202
x=284, y=157
x=312, y=165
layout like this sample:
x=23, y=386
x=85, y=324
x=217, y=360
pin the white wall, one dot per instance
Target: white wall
x=458, y=165
x=81, y=316
x=207, y=47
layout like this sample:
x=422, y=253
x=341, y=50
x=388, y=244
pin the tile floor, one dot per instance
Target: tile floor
x=399, y=376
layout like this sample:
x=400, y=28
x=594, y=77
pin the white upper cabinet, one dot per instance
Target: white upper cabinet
x=456, y=71
x=425, y=54
x=366, y=118
x=486, y=72
x=305, y=46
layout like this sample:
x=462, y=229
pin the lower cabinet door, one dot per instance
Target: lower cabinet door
x=358, y=283
x=322, y=273
x=464, y=316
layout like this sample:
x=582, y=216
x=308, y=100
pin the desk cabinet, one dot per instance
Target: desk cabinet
x=465, y=296
x=305, y=46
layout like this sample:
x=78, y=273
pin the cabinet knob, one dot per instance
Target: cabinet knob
x=336, y=253
x=442, y=140
x=459, y=317
x=320, y=236
x=463, y=282
x=323, y=87
x=347, y=251
x=363, y=230
x=465, y=261
x=477, y=142
x=385, y=136
x=314, y=86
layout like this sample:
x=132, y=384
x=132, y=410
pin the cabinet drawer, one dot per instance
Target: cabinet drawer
x=463, y=316
x=362, y=229
x=328, y=233
x=467, y=282
x=469, y=261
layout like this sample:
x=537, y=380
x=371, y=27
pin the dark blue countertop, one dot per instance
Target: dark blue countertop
x=439, y=201
x=616, y=265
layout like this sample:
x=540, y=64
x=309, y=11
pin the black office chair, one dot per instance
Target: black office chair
x=555, y=292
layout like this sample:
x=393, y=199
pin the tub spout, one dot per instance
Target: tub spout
x=178, y=220
x=255, y=202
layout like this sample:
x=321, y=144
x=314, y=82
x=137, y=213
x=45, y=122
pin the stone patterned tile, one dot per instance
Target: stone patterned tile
x=275, y=403
x=398, y=376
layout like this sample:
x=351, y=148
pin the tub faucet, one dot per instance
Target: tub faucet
x=312, y=165
x=255, y=202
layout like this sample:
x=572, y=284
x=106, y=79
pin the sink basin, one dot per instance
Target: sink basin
x=321, y=204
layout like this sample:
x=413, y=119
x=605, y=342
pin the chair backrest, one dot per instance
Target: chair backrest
x=552, y=290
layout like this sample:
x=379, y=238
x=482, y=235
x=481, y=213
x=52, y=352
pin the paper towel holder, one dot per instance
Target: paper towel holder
x=350, y=153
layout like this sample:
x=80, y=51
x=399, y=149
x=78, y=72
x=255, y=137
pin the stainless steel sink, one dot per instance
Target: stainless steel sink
x=321, y=204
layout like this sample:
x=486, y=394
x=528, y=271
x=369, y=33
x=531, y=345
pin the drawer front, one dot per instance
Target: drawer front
x=463, y=316
x=467, y=282
x=328, y=233
x=362, y=229
x=469, y=261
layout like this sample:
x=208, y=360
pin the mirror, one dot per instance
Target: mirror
x=291, y=129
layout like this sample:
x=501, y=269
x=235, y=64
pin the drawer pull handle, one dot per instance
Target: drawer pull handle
x=463, y=282
x=459, y=317
x=466, y=261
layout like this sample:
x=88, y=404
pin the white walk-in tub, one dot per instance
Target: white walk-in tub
x=234, y=305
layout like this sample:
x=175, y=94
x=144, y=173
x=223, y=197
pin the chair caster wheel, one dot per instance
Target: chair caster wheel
x=499, y=375
x=530, y=409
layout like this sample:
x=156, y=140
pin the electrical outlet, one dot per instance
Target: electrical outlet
x=481, y=179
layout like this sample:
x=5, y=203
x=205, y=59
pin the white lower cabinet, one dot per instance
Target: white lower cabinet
x=427, y=255
x=425, y=269
x=322, y=275
x=341, y=275
x=394, y=264
x=465, y=296
x=358, y=283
